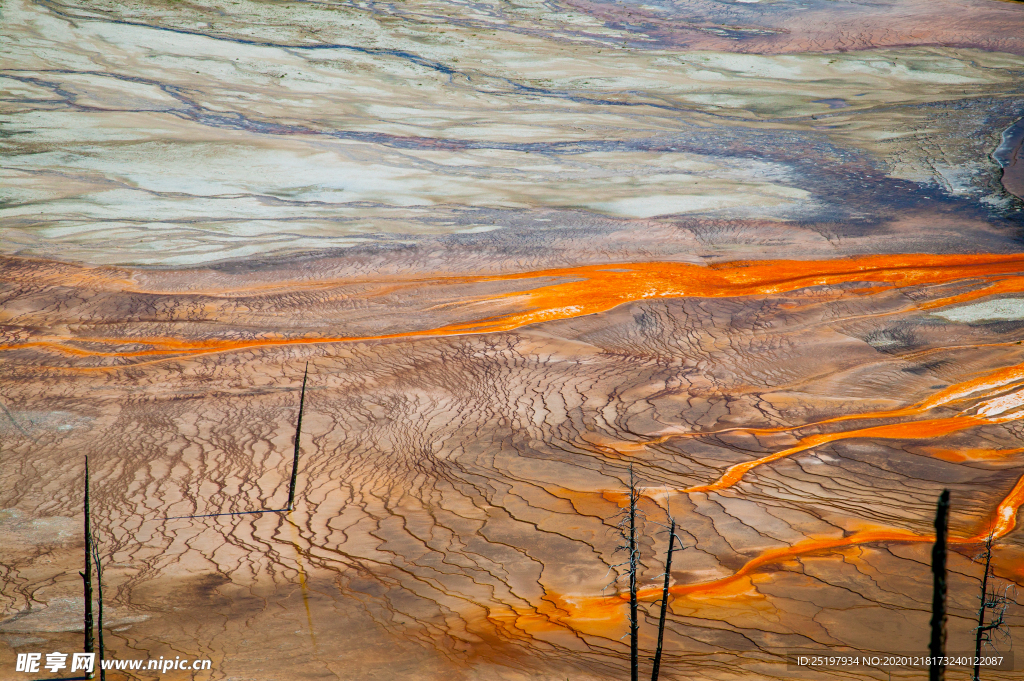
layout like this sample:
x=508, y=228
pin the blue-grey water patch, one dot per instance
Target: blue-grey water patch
x=1009, y=147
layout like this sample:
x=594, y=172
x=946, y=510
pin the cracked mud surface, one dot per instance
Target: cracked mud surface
x=456, y=490
x=768, y=256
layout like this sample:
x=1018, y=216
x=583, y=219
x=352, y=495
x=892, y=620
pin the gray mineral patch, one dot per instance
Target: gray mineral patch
x=17, y=641
x=1001, y=309
x=18, y=531
x=62, y=614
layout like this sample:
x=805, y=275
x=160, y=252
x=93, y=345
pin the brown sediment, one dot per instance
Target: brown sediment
x=916, y=429
x=1010, y=156
x=1002, y=522
x=593, y=289
x=1013, y=176
x=993, y=410
x=990, y=411
x=438, y=481
x=491, y=334
x=970, y=454
x=602, y=614
x=573, y=610
x=821, y=30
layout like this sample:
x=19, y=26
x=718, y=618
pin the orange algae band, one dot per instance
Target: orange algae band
x=579, y=291
x=1003, y=522
x=584, y=608
x=914, y=430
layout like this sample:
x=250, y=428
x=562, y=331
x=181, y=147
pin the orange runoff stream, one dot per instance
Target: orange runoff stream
x=577, y=291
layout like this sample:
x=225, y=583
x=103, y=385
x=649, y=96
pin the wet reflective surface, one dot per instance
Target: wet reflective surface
x=768, y=254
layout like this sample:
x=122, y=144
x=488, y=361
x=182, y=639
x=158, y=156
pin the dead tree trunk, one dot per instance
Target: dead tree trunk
x=937, y=649
x=298, y=434
x=664, y=599
x=628, y=530
x=634, y=625
x=99, y=611
x=983, y=633
x=87, y=574
x=980, y=631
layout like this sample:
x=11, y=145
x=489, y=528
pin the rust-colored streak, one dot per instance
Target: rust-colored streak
x=1000, y=402
x=964, y=455
x=928, y=428
x=633, y=281
x=785, y=553
x=549, y=295
x=1003, y=521
x=579, y=291
x=575, y=611
x=1007, y=378
x=997, y=408
x=1005, y=517
x=589, y=613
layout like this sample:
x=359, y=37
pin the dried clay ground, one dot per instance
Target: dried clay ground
x=769, y=259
